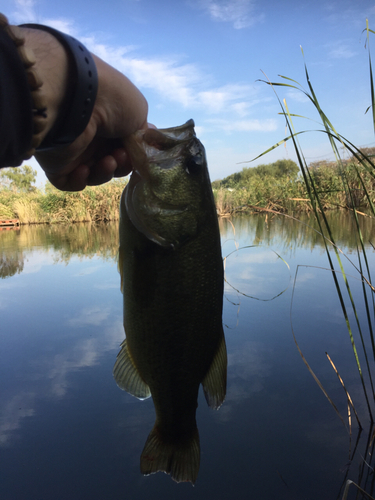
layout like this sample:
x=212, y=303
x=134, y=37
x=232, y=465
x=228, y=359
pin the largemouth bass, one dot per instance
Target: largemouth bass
x=172, y=280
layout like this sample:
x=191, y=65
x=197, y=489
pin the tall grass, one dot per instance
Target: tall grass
x=283, y=194
x=289, y=195
x=357, y=184
x=27, y=210
x=94, y=204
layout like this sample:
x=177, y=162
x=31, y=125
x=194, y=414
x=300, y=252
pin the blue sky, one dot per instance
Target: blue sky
x=201, y=59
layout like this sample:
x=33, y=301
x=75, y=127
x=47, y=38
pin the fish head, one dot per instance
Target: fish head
x=166, y=193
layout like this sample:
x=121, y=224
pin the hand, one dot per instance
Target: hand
x=120, y=109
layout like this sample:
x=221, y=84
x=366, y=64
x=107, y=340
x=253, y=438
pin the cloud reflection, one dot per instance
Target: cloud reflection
x=248, y=367
x=257, y=272
x=49, y=377
x=90, y=316
x=12, y=414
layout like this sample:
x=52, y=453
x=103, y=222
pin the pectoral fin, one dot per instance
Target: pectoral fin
x=215, y=381
x=127, y=376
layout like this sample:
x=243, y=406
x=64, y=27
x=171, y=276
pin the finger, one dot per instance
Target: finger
x=124, y=166
x=103, y=171
x=74, y=181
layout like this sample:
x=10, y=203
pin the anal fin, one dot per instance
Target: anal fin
x=127, y=376
x=120, y=266
x=215, y=382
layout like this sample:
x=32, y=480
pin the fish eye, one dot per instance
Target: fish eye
x=193, y=164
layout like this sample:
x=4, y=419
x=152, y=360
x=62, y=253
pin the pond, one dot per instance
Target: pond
x=68, y=432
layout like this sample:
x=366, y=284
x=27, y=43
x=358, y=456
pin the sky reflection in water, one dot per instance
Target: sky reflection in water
x=68, y=432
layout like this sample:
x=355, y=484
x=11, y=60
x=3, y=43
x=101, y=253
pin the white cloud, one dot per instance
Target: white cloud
x=174, y=81
x=226, y=98
x=65, y=25
x=241, y=108
x=90, y=316
x=296, y=95
x=238, y=12
x=170, y=78
x=85, y=353
x=230, y=126
x=341, y=51
x=165, y=75
x=25, y=12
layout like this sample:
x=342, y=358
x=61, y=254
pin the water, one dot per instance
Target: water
x=68, y=432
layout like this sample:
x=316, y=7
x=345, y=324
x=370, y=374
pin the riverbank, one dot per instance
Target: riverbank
x=101, y=203
x=94, y=204
x=286, y=194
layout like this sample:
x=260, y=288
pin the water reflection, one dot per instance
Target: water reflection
x=65, y=427
x=52, y=349
x=86, y=239
x=11, y=263
x=287, y=234
x=80, y=239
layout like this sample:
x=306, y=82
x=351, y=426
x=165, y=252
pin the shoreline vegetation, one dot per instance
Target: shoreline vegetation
x=279, y=188
x=276, y=187
x=51, y=206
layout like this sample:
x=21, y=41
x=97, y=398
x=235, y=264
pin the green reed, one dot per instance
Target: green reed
x=289, y=195
x=355, y=184
x=281, y=193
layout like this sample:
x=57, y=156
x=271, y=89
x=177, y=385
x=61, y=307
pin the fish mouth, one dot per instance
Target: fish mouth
x=166, y=138
x=162, y=148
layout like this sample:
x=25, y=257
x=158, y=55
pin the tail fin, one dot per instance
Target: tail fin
x=180, y=458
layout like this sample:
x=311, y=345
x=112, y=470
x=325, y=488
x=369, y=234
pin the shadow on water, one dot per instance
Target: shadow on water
x=275, y=426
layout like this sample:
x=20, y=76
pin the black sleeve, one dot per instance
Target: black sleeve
x=16, y=119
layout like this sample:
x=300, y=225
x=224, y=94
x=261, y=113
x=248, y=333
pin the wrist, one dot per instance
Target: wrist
x=45, y=75
x=52, y=68
x=81, y=87
x=121, y=108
